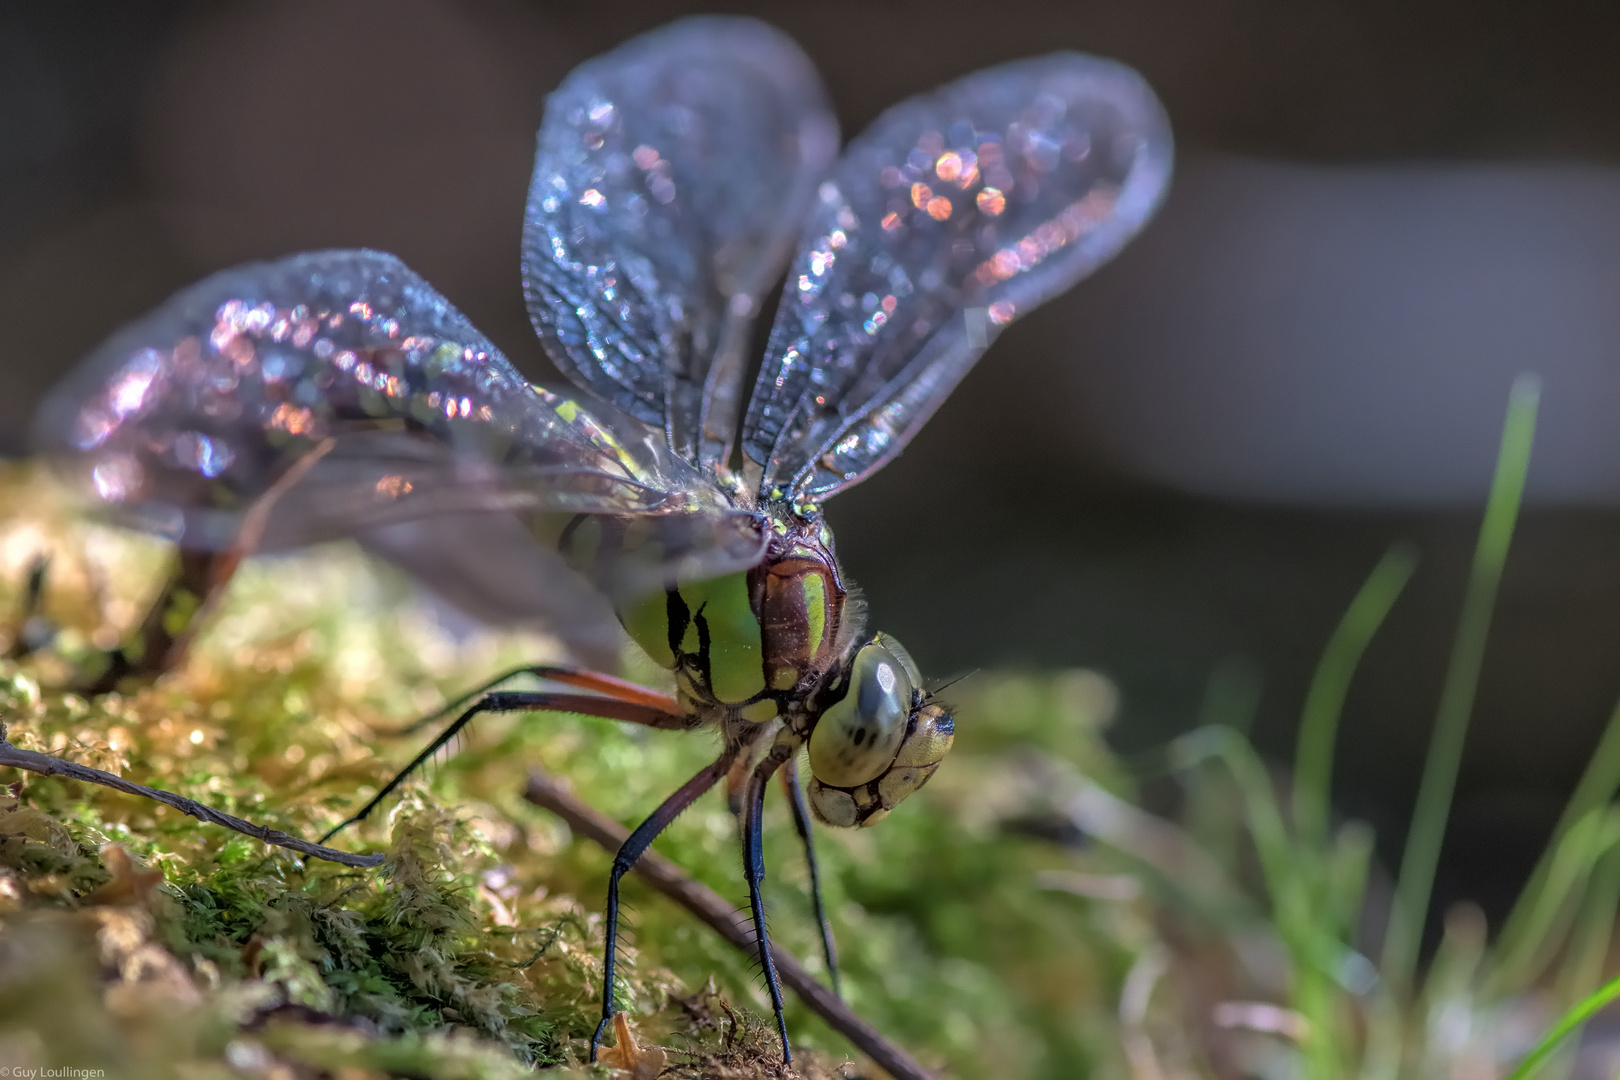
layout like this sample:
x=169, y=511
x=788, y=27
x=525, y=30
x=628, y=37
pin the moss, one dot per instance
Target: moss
x=475, y=949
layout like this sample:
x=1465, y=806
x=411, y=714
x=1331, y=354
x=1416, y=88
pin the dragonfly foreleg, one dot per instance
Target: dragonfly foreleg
x=801, y=821
x=629, y=852
x=633, y=712
x=32, y=629
x=195, y=581
x=754, y=870
x=748, y=737
x=566, y=674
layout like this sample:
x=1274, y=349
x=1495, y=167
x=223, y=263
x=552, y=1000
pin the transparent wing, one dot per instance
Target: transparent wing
x=489, y=566
x=953, y=214
x=672, y=177
x=348, y=372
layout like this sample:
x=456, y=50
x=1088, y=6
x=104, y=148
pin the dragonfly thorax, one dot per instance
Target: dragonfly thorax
x=749, y=643
x=781, y=641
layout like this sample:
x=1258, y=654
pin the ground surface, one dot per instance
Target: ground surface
x=142, y=942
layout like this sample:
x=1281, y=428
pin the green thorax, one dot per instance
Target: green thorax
x=754, y=638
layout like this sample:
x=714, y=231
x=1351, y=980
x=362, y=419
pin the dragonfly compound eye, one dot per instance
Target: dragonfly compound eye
x=878, y=744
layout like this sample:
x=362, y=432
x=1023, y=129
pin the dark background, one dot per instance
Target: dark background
x=1185, y=468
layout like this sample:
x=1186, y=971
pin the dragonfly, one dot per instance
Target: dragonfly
x=337, y=394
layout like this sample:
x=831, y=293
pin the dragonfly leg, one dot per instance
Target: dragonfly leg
x=195, y=581
x=801, y=821
x=628, y=853
x=741, y=768
x=737, y=785
x=568, y=675
x=633, y=712
x=754, y=870
x=32, y=630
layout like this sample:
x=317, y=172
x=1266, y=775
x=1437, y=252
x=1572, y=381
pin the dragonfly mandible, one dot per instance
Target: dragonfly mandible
x=335, y=393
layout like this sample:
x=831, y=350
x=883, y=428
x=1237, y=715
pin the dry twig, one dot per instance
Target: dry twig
x=46, y=765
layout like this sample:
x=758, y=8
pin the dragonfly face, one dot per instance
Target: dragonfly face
x=878, y=743
x=337, y=394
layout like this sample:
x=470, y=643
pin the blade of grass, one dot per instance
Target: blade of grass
x=1310, y=939
x=1231, y=699
x=1597, y=788
x=1415, y=882
x=1348, y=861
x=1319, y=723
x=1578, y=851
x=1232, y=696
x=1262, y=814
x=1570, y=1021
x=1589, y=945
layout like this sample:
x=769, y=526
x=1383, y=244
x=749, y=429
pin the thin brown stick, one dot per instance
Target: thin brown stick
x=46, y=765
x=553, y=794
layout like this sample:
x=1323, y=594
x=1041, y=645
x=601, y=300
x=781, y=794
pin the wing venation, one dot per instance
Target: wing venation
x=953, y=214
x=346, y=373
x=672, y=177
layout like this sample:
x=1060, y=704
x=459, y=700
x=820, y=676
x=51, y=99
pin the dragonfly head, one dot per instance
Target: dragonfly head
x=880, y=741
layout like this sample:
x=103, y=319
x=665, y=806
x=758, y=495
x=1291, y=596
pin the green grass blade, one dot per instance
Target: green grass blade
x=1597, y=788
x=1319, y=724
x=1589, y=946
x=1232, y=695
x=1231, y=698
x=1569, y=1022
x=1520, y=962
x=1416, y=880
x=1264, y=817
x=1348, y=862
x=1601, y=779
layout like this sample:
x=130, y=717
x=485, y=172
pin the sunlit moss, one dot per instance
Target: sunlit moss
x=475, y=949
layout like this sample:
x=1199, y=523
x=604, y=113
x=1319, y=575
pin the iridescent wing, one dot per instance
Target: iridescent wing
x=346, y=370
x=673, y=175
x=953, y=214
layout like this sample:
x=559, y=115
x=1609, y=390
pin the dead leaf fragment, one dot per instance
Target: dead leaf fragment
x=626, y=1056
x=128, y=885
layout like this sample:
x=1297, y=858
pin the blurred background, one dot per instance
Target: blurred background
x=1178, y=474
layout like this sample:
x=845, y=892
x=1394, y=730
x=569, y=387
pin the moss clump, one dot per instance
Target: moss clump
x=475, y=949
